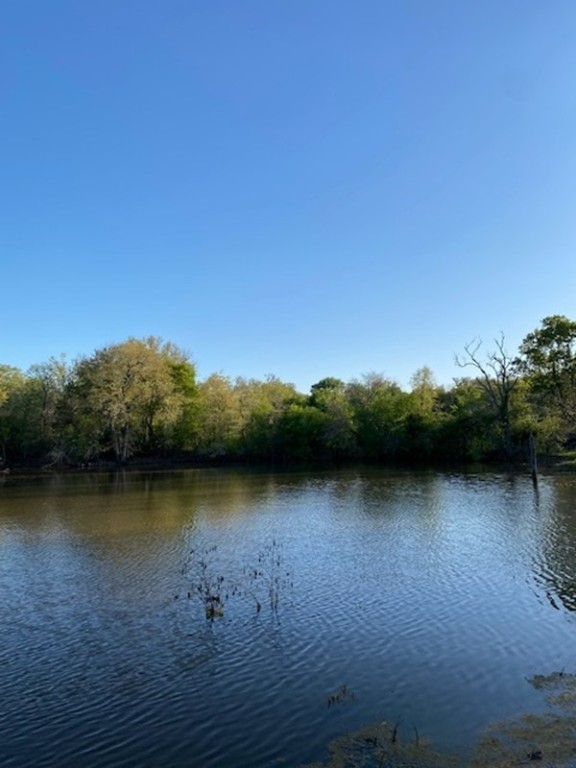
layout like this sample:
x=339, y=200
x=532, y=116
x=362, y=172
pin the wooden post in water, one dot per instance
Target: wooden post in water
x=533, y=459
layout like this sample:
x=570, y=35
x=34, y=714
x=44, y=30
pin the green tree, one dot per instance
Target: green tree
x=379, y=407
x=300, y=433
x=467, y=429
x=219, y=418
x=548, y=359
x=338, y=431
x=12, y=384
x=32, y=413
x=129, y=397
x=183, y=429
x=424, y=391
x=263, y=407
x=323, y=387
x=47, y=384
x=423, y=420
x=498, y=376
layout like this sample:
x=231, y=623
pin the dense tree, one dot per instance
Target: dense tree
x=12, y=384
x=467, y=431
x=32, y=412
x=299, y=436
x=379, y=406
x=243, y=418
x=337, y=430
x=264, y=405
x=497, y=375
x=324, y=387
x=47, y=385
x=141, y=397
x=183, y=429
x=219, y=419
x=129, y=396
x=423, y=422
x=548, y=358
x=424, y=391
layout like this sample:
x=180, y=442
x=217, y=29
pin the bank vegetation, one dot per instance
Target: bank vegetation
x=141, y=399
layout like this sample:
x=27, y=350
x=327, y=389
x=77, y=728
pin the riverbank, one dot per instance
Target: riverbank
x=547, y=465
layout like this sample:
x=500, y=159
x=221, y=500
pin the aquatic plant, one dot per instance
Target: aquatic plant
x=270, y=574
x=340, y=696
x=549, y=736
x=547, y=739
x=378, y=746
x=262, y=583
x=206, y=583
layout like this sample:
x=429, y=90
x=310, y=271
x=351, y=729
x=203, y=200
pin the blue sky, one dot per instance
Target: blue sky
x=298, y=187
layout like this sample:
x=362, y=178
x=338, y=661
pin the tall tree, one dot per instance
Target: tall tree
x=219, y=418
x=12, y=384
x=130, y=396
x=424, y=391
x=424, y=419
x=548, y=358
x=379, y=407
x=467, y=429
x=264, y=405
x=48, y=382
x=498, y=376
x=338, y=432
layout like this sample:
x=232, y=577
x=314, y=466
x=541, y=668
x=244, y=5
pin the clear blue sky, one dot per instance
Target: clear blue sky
x=307, y=188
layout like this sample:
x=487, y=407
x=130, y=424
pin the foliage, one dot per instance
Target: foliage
x=132, y=396
x=379, y=408
x=498, y=378
x=12, y=386
x=140, y=397
x=218, y=424
x=548, y=359
x=266, y=406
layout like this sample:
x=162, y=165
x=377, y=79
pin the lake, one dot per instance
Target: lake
x=337, y=599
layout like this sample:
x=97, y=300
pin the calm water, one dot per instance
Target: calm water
x=430, y=596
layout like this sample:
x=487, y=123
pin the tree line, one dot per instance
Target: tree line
x=141, y=398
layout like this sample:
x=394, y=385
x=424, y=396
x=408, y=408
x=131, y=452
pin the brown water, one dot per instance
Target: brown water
x=430, y=596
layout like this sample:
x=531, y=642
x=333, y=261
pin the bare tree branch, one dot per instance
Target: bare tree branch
x=497, y=374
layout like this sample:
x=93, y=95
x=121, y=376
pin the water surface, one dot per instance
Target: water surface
x=431, y=596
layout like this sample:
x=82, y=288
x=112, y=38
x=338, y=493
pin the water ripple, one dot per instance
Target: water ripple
x=429, y=597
